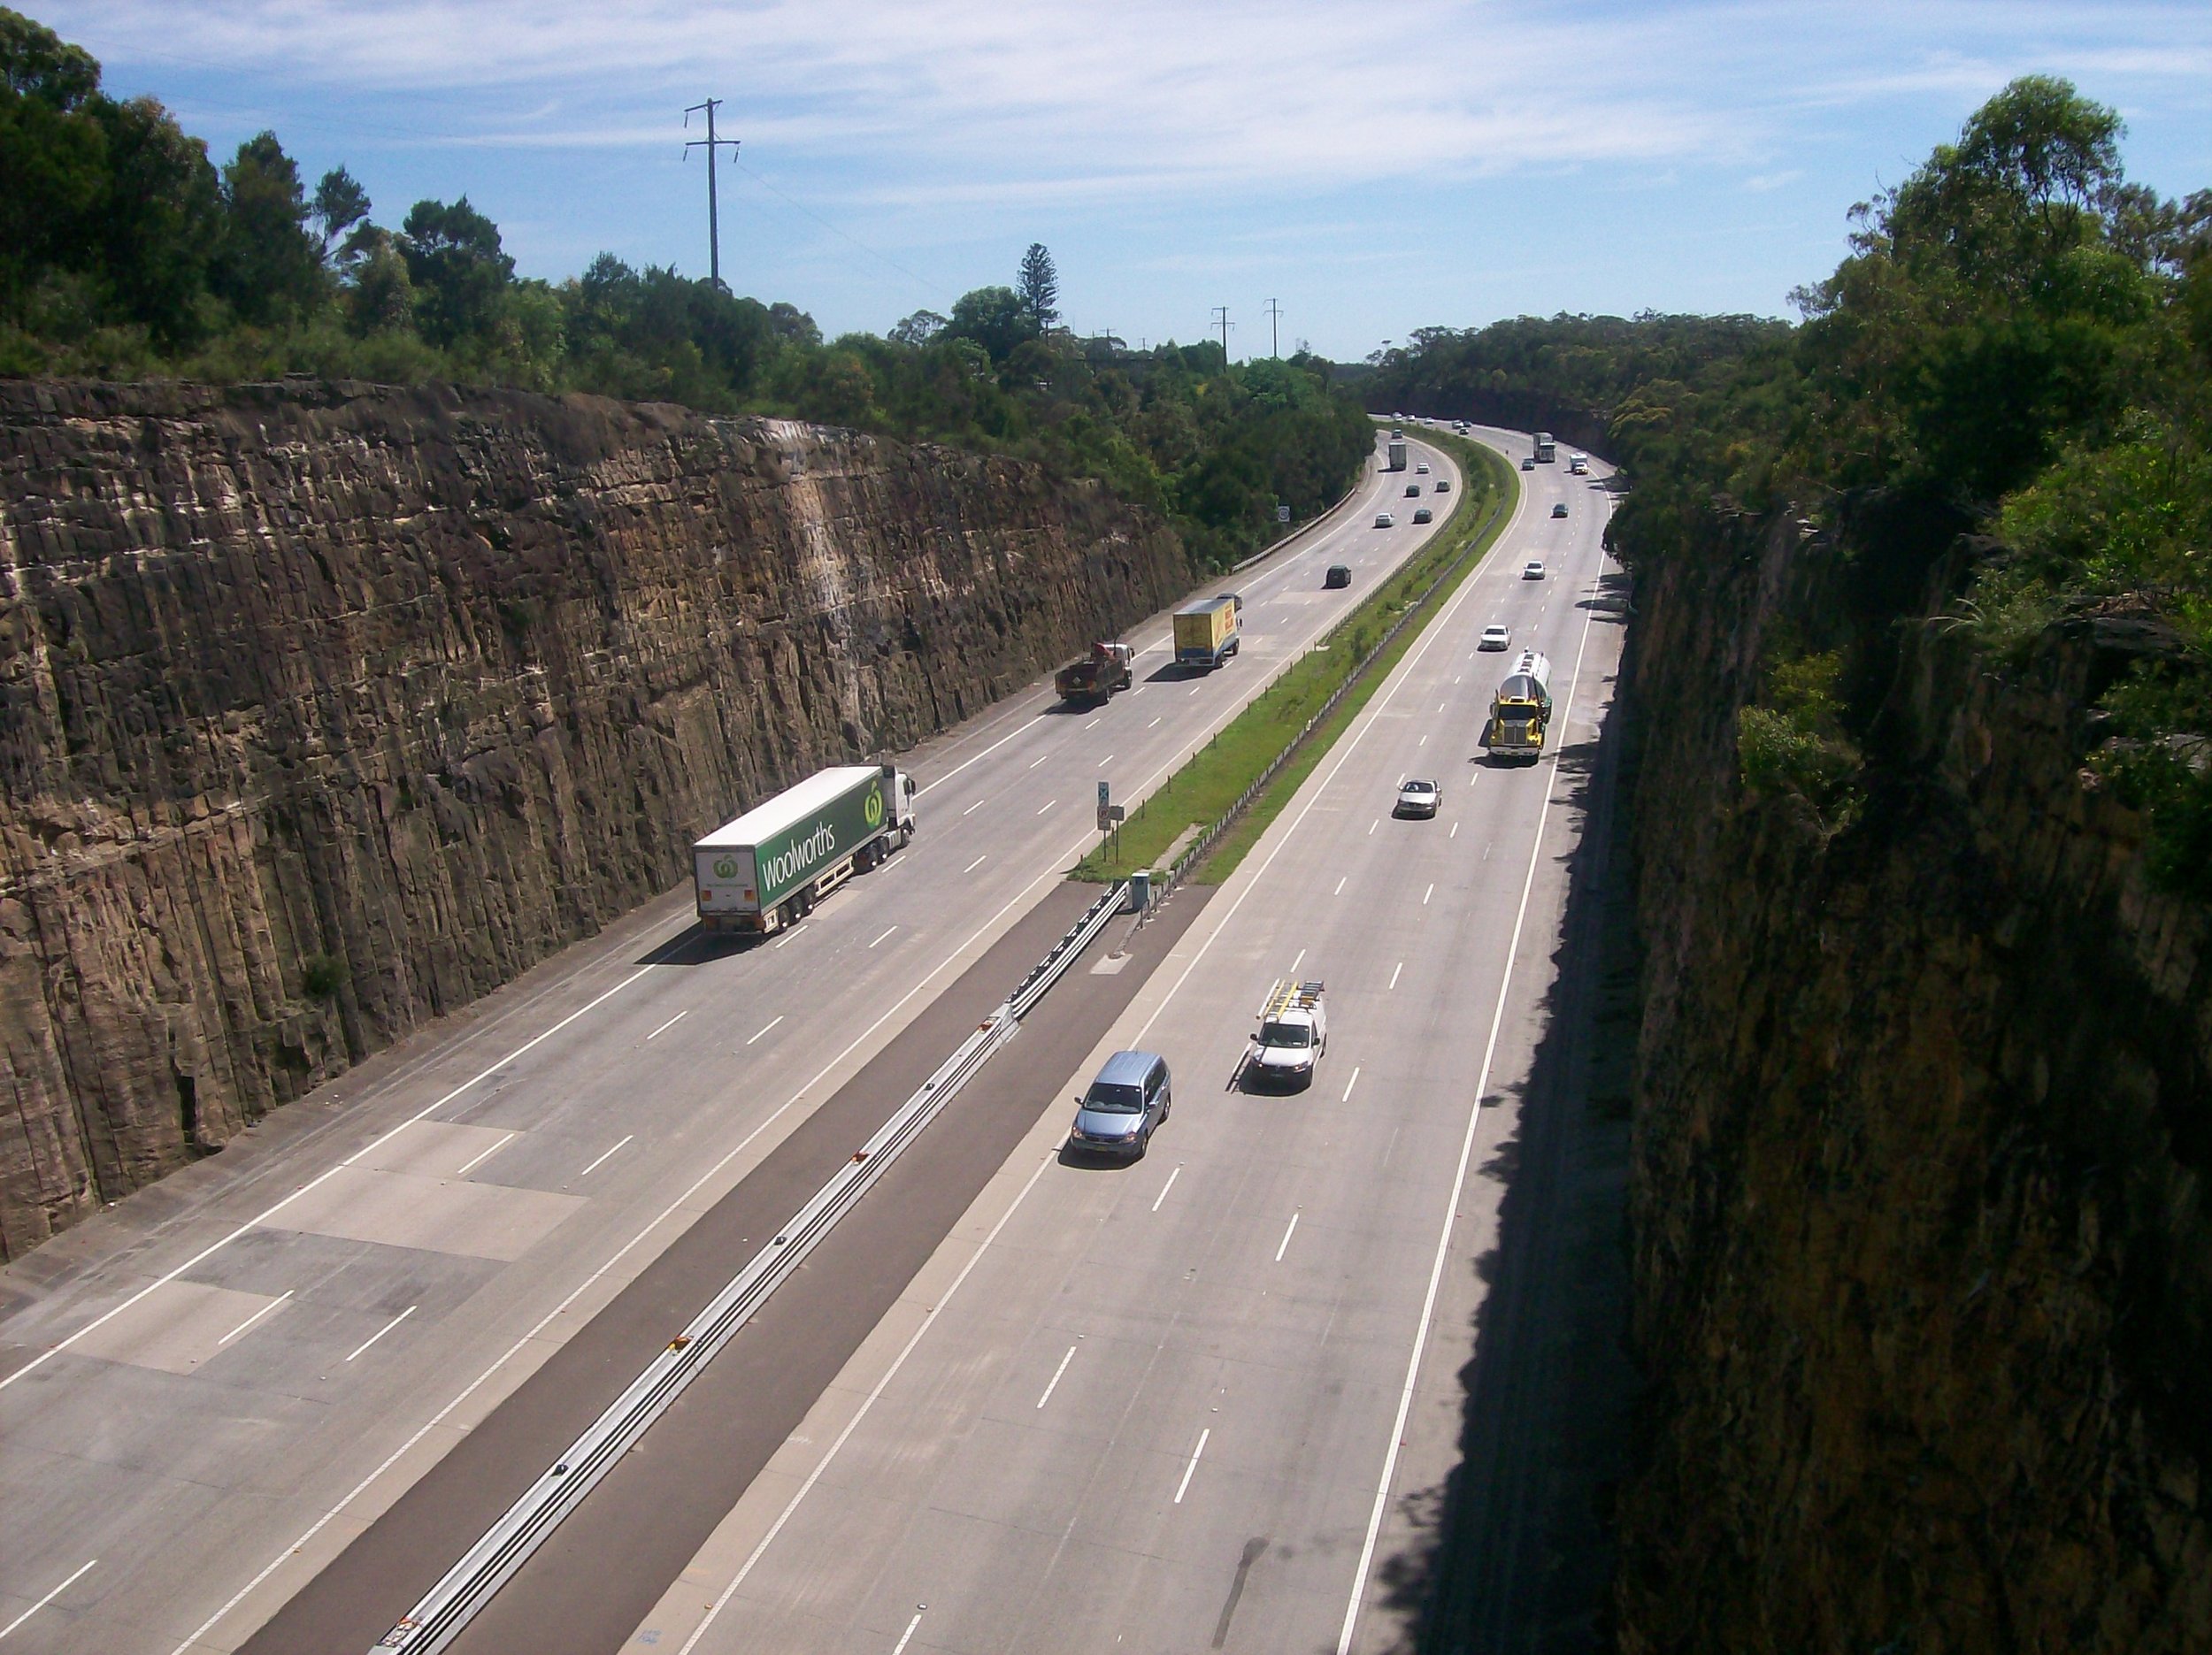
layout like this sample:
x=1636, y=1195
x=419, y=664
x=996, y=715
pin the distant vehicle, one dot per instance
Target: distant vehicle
x=1208, y=633
x=1293, y=1033
x=1521, y=711
x=1425, y=516
x=1533, y=570
x=1577, y=465
x=1421, y=469
x=1443, y=485
x=1413, y=491
x=768, y=869
x=1559, y=509
x=1339, y=574
x=1095, y=677
x=1418, y=798
x=1384, y=520
x=1495, y=638
x=1124, y=1105
x=1527, y=465
x=1397, y=453
x=1546, y=451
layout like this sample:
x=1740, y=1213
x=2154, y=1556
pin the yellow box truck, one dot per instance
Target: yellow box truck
x=1206, y=632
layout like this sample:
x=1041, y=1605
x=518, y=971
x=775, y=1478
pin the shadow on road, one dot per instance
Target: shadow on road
x=698, y=945
x=1517, y=1548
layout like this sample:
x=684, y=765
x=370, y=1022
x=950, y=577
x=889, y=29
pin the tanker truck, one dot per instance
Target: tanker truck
x=1520, y=712
x=769, y=868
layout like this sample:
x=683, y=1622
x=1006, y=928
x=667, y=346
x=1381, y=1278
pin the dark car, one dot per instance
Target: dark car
x=1443, y=485
x=1413, y=490
x=1425, y=516
x=1124, y=1108
x=1559, y=509
x=1339, y=574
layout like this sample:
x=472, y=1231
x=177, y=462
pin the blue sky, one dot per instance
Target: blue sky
x=1374, y=168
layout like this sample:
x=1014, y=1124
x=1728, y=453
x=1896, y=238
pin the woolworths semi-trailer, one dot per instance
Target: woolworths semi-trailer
x=769, y=868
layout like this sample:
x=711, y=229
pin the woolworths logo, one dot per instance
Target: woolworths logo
x=796, y=859
x=872, y=807
x=726, y=867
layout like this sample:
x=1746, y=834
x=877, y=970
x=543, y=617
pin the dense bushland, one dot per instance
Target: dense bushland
x=127, y=253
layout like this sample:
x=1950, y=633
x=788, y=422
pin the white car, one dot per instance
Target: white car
x=1384, y=520
x=1533, y=570
x=1421, y=468
x=1495, y=637
x=1416, y=798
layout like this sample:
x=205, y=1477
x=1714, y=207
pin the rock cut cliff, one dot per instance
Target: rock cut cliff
x=326, y=708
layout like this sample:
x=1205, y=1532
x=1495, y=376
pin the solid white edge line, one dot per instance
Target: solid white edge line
x=381, y=1332
x=869, y=1402
x=1183, y=1486
x=262, y=1218
x=1459, y=1179
x=41, y=1602
x=584, y=1286
x=597, y=1160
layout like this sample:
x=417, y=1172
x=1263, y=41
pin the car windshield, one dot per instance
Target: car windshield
x=1114, y=1099
x=1289, y=1034
x=1419, y=788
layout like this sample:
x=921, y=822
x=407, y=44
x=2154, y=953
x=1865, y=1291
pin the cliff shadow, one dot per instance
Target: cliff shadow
x=1516, y=1549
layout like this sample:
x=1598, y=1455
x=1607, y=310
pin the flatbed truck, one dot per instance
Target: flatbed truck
x=768, y=869
x=1095, y=677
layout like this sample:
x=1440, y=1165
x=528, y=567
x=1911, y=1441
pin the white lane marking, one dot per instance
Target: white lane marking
x=1039, y=759
x=986, y=753
x=715, y=1608
x=1183, y=1486
x=1455, y=679
x=1295, y=964
x=212, y=1248
x=1289, y=1233
x=765, y=1026
x=1422, y=742
x=1441, y=705
x=49, y=1598
x=886, y=932
x=1459, y=1181
x=381, y=1332
x=970, y=810
x=1056, y=1372
x=474, y=1160
x=600, y=1159
x=1170, y=1185
x=1371, y=826
x=1153, y=721
x=670, y=1023
x=1393, y=973
x=274, y=1304
x=1340, y=886
x=788, y=936
x=1046, y=806
x=899, y=1648
x=977, y=863
x=655, y=1223
x=1455, y=832
x=1351, y=1083
x=1427, y=894
x=1093, y=721
x=1104, y=762
x=1196, y=687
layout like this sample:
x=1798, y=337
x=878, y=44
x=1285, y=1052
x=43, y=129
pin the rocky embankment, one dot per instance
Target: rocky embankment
x=1924, y=1269
x=325, y=708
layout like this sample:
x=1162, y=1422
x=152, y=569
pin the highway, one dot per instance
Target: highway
x=208, y=1392
x=1210, y=1401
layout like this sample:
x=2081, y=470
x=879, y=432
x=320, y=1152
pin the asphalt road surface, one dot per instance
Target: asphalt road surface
x=208, y=1393
x=1212, y=1400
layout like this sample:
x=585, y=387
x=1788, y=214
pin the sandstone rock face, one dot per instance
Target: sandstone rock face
x=1924, y=1116
x=325, y=708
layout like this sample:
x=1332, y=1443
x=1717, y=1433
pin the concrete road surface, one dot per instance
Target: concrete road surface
x=1209, y=1401
x=206, y=1393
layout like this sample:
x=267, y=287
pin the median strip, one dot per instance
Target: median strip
x=1233, y=788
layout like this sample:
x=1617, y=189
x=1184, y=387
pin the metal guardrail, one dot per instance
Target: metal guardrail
x=1195, y=851
x=470, y=1583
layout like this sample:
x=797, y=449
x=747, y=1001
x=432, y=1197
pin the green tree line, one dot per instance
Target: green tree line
x=125, y=252
x=2017, y=348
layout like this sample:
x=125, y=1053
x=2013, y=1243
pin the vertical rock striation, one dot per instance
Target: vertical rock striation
x=325, y=708
x=1923, y=1259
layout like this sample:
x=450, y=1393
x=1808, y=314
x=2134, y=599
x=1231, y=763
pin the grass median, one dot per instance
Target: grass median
x=1214, y=777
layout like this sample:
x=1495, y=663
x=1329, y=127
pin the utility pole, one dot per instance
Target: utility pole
x=711, y=143
x=1275, y=327
x=1221, y=315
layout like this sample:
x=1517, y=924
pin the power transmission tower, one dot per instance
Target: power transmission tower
x=710, y=144
x=1221, y=315
x=1274, y=327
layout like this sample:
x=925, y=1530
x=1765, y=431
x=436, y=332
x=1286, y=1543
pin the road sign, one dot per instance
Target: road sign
x=1105, y=806
x=1282, y=514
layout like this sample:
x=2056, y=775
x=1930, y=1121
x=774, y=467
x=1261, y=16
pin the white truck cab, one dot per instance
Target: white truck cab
x=1293, y=1033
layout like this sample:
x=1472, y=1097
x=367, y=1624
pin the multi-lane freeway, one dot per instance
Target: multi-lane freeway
x=209, y=1393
